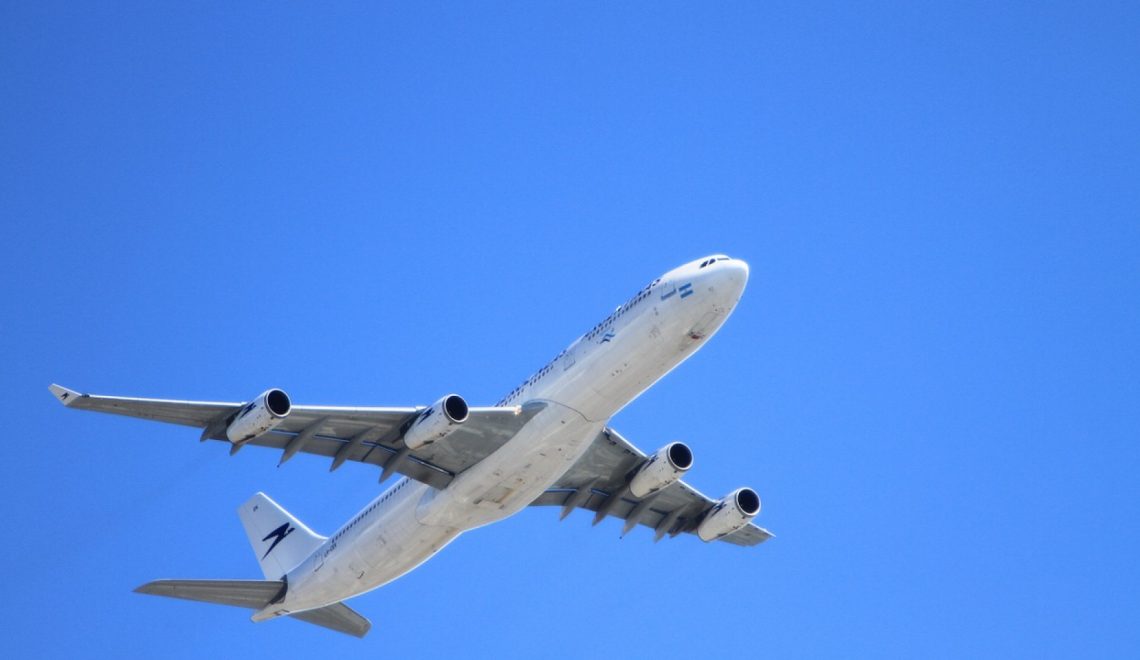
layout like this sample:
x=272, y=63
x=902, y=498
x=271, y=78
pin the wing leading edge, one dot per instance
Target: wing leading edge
x=598, y=483
x=360, y=434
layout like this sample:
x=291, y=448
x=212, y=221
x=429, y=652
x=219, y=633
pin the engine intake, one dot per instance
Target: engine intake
x=731, y=513
x=437, y=422
x=259, y=416
x=661, y=469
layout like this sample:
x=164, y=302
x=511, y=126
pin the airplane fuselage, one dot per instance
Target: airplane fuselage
x=582, y=388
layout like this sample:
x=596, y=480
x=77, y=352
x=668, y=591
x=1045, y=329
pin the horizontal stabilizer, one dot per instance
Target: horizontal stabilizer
x=254, y=594
x=338, y=617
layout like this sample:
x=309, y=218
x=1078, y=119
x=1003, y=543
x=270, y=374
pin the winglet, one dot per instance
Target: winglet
x=65, y=396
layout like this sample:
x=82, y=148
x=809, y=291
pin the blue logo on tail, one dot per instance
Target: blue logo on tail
x=278, y=535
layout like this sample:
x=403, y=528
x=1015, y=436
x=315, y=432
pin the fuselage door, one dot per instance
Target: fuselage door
x=322, y=553
x=568, y=359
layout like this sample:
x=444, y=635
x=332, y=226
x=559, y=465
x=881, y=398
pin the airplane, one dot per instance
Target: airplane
x=546, y=443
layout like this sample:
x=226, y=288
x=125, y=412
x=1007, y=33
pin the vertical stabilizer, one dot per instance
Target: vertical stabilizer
x=279, y=540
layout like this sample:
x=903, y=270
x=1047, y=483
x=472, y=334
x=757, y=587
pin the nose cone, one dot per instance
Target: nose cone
x=737, y=270
x=734, y=276
x=724, y=278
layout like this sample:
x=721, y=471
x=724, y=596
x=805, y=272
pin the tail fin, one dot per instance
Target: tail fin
x=279, y=540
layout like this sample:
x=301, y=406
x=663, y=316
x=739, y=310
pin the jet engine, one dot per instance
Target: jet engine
x=258, y=416
x=662, y=469
x=729, y=514
x=443, y=417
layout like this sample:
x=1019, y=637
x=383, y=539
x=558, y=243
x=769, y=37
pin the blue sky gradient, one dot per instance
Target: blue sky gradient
x=932, y=379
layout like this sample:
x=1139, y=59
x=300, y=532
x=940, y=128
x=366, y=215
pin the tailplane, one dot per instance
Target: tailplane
x=258, y=594
x=254, y=594
x=279, y=540
x=338, y=617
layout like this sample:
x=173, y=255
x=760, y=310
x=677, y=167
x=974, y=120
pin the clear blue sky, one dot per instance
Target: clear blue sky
x=932, y=380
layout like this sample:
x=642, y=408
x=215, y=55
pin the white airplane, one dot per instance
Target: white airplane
x=545, y=443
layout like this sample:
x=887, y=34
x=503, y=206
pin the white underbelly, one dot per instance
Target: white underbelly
x=516, y=474
x=607, y=376
x=393, y=545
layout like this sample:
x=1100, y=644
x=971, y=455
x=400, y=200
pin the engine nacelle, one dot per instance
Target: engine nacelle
x=662, y=469
x=730, y=514
x=443, y=417
x=258, y=416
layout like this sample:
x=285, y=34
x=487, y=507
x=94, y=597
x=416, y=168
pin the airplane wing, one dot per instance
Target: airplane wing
x=366, y=435
x=599, y=482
